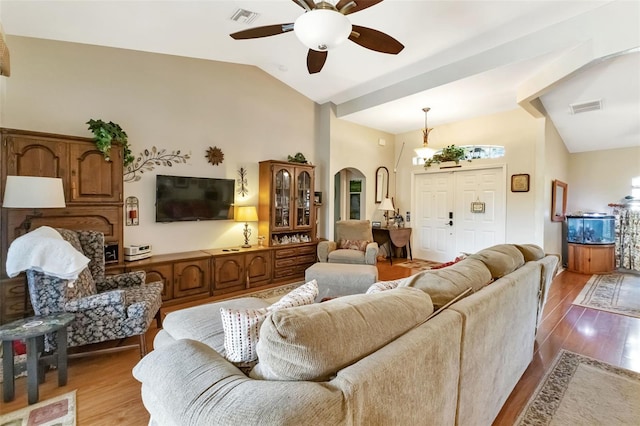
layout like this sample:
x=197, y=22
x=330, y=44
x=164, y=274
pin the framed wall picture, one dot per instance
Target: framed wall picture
x=520, y=183
x=317, y=198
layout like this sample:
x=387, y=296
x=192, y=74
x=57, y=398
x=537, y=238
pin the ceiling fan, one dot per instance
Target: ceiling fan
x=324, y=26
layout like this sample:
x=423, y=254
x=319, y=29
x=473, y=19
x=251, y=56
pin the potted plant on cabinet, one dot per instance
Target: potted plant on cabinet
x=106, y=134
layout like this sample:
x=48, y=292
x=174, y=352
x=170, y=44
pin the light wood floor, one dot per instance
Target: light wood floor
x=107, y=394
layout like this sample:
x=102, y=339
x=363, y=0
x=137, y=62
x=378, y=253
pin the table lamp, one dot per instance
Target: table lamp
x=246, y=214
x=387, y=206
x=33, y=192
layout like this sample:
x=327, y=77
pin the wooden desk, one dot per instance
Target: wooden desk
x=393, y=238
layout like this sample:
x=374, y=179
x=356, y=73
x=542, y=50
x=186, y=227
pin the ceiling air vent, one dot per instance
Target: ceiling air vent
x=244, y=16
x=585, y=106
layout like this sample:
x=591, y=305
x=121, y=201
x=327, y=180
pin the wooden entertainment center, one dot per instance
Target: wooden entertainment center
x=94, y=197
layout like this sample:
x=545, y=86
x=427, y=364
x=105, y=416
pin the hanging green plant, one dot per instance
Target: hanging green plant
x=106, y=134
x=450, y=153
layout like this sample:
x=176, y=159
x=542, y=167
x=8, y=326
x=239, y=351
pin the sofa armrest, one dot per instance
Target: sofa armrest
x=324, y=248
x=371, y=253
x=188, y=383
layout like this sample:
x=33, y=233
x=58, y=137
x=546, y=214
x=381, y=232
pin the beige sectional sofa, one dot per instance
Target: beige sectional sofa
x=402, y=356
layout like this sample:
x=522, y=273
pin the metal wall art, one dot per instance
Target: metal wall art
x=149, y=159
x=243, y=189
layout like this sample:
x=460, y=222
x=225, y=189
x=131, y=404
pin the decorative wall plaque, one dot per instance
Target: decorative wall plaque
x=215, y=155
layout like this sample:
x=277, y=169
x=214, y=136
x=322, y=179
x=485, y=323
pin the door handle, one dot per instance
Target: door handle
x=450, y=223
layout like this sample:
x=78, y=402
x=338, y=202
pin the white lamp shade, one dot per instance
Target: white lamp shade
x=387, y=205
x=33, y=192
x=247, y=214
x=322, y=29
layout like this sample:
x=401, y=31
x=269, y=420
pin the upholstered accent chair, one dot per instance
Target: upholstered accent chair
x=107, y=307
x=354, y=244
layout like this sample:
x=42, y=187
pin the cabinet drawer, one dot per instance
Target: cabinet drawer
x=307, y=250
x=285, y=272
x=14, y=287
x=308, y=258
x=283, y=263
x=286, y=253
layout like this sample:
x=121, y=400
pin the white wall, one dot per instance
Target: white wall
x=555, y=167
x=169, y=102
x=598, y=178
x=521, y=136
x=357, y=147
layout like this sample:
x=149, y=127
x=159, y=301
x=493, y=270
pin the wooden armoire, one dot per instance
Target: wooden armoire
x=93, y=190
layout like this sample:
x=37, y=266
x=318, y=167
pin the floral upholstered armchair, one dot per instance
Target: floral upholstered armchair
x=106, y=307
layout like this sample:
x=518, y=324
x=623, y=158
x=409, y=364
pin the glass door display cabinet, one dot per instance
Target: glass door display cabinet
x=591, y=243
x=286, y=213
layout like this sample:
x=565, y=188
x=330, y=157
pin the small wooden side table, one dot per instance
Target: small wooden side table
x=394, y=238
x=33, y=330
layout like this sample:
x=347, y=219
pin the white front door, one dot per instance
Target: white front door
x=433, y=233
x=445, y=224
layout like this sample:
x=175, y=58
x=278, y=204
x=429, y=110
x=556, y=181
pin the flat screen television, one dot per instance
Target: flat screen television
x=180, y=198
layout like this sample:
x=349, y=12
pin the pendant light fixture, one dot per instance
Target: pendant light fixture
x=425, y=152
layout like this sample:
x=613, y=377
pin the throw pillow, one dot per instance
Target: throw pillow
x=353, y=245
x=383, y=286
x=453, y=262
x=242, y=326
x=241, y=331
x=303, y=295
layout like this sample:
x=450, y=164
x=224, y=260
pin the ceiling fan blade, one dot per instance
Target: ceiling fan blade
x=315, y=61
x=306, y=4
x=360, y=4
x=266, y=31
x=375, y=40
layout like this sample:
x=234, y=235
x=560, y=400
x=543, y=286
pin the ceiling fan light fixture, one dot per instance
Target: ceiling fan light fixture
x=322, y=29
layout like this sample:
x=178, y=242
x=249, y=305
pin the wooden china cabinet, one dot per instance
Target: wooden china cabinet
x=287, y=216
x=93, y=196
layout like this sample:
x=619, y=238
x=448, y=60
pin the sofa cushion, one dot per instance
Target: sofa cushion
x=530, y=252
x=313, y=342
x=347, y=256
x=242, y=326
x=501, y=259
x=444, y=285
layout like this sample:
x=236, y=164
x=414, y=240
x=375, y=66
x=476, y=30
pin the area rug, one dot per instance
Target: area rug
x=58, y=411
x=579, y=390
x=271, y=294
x=422, y=265
x=617, y=293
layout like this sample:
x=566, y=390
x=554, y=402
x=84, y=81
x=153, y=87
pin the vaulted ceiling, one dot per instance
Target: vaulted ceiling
x=462, y=59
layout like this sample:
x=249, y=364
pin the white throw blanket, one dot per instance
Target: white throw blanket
x=46, y=251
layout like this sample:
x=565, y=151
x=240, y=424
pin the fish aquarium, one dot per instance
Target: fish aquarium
x=591, y=229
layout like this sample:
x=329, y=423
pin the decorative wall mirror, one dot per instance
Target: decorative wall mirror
x=382, y=184
x=558, y=201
